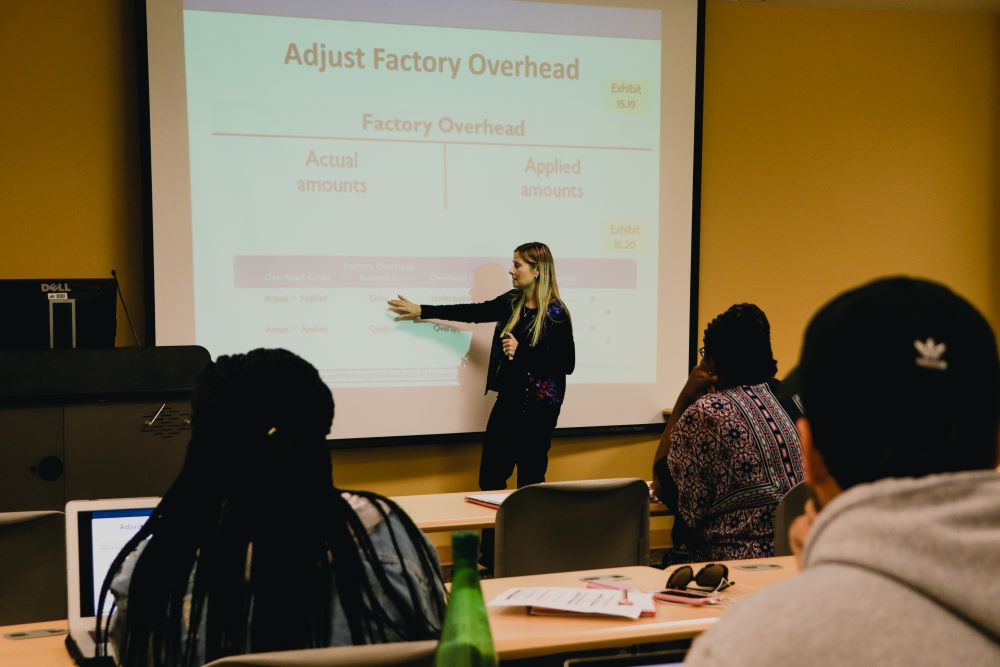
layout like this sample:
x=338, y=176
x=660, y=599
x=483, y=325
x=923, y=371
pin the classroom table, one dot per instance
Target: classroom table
x=36, y=652
x=517, y=634
x=437, y=512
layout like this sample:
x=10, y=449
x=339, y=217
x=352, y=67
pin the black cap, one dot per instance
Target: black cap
x=898, y=369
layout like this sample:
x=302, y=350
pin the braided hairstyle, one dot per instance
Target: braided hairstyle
x=739, y=344
x=253, y=544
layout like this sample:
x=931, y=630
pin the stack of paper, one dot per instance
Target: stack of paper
x=488, y=499
x=551, y=599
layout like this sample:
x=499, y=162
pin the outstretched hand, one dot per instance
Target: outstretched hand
x=404, y=308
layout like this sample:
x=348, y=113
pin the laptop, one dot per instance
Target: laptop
x=96, y=531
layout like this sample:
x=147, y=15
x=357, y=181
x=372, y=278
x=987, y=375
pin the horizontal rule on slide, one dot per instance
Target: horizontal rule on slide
x=312, y=271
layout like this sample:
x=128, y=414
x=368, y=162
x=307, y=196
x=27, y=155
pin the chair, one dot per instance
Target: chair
x=572, y=526
x=792, y=505
x=395, y=654
x=32, y=566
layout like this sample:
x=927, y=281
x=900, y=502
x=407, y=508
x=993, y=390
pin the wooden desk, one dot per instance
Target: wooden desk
x=449, y=511
x=516, y=634
x=437, y=512
x=37, y=652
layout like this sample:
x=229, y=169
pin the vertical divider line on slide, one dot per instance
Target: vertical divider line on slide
x=444, y=147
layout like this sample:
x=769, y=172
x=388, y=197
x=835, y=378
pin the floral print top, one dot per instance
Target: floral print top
x=733, y=455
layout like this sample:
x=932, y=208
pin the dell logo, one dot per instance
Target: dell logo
x=55, y=287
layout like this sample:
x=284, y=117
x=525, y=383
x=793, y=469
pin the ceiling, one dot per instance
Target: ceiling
x=977, y=6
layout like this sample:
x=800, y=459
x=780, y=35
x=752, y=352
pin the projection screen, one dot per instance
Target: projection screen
x=311, y=159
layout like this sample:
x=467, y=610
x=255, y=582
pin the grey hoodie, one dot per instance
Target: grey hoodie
x=898, y=572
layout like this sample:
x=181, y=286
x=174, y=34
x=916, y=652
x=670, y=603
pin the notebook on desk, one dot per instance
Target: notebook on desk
x=492, y=499
x=96, y=531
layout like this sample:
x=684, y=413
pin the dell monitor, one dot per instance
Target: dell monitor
x=58, y=313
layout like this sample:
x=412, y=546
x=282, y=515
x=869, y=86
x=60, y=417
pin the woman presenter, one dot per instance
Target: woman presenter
x=531, y=355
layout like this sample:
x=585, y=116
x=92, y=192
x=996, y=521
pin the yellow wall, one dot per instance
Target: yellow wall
x=839, y=145
x=842, y=145
x=70, y=205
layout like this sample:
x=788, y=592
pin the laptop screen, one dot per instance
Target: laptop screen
x=102, y=535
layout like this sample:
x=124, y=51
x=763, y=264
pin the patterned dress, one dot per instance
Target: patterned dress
x=733, y=455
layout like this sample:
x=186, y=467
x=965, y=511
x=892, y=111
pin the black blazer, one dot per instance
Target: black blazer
x=552, y=359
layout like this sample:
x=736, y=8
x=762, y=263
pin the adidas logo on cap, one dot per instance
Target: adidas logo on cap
x=930, y=354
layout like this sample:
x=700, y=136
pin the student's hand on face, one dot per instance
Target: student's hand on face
x=798, y=532
x=701, y=381
x=404, y=308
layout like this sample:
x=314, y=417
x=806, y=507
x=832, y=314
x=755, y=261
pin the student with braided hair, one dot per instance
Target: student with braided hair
x=253, y=548
x=730, y=450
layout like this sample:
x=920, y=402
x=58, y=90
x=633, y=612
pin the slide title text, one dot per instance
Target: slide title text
x=324, y=59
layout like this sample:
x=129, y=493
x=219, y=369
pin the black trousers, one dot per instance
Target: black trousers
x=517, y=436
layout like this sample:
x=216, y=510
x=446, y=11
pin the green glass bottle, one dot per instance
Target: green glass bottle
x=465, y=639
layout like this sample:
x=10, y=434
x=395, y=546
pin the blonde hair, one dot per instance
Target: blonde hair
x=539, y=257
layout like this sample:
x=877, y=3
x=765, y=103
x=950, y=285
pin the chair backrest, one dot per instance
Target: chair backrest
x=564, y=526
x=792, y=505
x=395, y=654
x=32, y=566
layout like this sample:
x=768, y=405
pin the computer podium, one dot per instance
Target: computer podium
x=93, y=423
x=78, y=424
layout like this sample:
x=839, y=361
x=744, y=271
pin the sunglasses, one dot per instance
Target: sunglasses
x=712, y=577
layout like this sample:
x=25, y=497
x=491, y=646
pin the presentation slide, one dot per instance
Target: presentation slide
x=312, y=160
x=110, y=532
